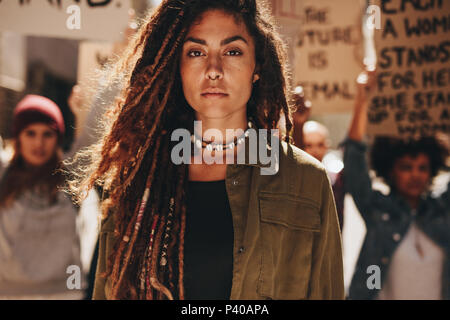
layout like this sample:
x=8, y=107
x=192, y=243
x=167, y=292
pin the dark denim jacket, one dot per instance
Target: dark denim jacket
x=387, y=220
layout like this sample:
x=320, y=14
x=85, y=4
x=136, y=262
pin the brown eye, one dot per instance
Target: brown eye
x=405, y=167
x=234, y=53
x=194, y=53
x=30, y=133
x=49, y=134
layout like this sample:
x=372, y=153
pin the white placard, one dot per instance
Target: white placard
x=324, y=39
x=412, y=97
x=83, y=19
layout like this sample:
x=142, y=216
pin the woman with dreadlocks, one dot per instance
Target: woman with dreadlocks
x=210, y=231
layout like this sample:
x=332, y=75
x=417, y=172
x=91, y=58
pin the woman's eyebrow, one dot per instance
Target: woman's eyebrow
x=231, y=39
x=222, y=43
x=195, y=40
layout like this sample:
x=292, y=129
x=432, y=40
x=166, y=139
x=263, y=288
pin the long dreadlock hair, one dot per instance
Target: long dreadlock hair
x=133, y=158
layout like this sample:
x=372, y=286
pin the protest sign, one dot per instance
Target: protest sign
x=325, y=42
x=75, y=19
x=412, y=97
x=12, y=61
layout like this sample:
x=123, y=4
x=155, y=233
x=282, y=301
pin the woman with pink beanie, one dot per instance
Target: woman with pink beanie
x=39, y=246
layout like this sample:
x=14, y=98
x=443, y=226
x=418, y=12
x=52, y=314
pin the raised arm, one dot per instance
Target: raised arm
x=365, y=84
x=356, y=171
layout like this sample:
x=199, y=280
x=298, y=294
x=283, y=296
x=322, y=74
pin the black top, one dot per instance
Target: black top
x=208, y=242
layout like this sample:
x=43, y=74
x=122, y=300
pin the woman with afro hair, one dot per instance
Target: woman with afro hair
x=408, y=236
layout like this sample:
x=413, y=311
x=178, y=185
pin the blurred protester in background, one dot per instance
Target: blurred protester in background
x=38, y=238
x=316, y=142
x=407, y=230
x=316, y=139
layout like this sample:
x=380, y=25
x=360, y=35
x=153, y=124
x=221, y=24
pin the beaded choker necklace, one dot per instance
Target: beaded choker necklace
x=211, y=145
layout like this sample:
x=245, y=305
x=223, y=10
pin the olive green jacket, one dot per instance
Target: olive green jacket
x=287, y=242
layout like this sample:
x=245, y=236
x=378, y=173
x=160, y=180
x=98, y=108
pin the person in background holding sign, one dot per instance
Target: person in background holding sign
x=218, y=231
x=38, y=239
x=407, y=243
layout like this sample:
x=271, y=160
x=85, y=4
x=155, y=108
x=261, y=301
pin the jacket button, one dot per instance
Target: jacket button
x=241, y=249
x=385, y=217
x=396, y=237
x=235, y=182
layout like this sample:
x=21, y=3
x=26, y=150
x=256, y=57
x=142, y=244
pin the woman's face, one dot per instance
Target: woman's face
x=217, y=66
x=38, y=143
x=411, y=175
